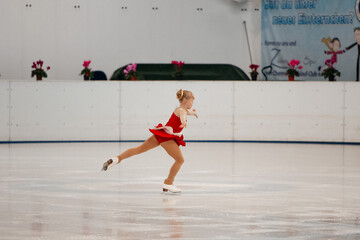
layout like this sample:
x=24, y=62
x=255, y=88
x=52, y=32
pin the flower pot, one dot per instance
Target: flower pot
x=254, y=76
x=38, y=78
x=179, y=77
x=291, y=78
x=133, y=78
x=332, y=78
x=86, y=78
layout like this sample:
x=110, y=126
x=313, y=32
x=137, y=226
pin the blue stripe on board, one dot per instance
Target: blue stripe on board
x=194, y=141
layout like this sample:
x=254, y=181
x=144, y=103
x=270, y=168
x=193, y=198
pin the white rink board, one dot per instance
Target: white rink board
x=4, y=111
x=352, y=112
x=255, y=111
x=214, y=104
x=289, y=111
x=64, y=111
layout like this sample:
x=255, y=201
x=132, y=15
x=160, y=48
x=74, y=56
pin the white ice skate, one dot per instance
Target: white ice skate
x=109, y=163
x=171, y=188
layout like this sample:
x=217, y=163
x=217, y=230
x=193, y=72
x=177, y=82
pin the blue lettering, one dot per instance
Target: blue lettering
x=287, y=4
x=304, y=19
x=283, y=20
x=271, y=4
x=305, y=4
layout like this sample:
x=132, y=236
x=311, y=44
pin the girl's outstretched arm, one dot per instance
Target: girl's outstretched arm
x=192, y=112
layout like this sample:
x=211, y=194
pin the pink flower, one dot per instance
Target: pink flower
x=126, y=72
x=300, y=67
x=86, y=63
x=48, y=68
x=133, y=67
x=178, y=65
x=293, y=63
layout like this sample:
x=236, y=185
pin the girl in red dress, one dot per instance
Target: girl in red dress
x=168, y=136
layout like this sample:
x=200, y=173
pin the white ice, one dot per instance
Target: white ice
x=229, y=191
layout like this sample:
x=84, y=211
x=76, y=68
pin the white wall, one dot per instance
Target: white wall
x=112, y=36
x=268, y=111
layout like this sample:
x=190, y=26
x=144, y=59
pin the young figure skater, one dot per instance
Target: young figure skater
x=168, y=136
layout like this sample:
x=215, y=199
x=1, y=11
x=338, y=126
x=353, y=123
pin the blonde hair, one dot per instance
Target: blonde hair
x=181, y=94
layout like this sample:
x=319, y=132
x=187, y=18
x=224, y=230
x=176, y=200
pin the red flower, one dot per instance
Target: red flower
x=293, y=63
x=38, y=69
x=86, y=64
x=178, y=65
x=254, y=67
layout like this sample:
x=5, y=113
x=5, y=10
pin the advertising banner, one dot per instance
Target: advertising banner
x=320, y=34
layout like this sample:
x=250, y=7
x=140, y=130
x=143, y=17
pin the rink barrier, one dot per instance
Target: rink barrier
x=228, y=111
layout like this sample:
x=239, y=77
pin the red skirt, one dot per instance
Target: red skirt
x=162, y=136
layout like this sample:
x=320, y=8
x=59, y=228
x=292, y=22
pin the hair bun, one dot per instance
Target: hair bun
x=180, y=94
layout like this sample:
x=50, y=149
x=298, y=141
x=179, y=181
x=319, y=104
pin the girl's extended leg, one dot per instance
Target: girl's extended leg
x=174, y=151
x=150, y=143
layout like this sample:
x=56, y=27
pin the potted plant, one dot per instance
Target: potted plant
x=131, y=73
x=87, y=72
x=254, y=72
x=292, y=71
x=38, y=70
x=330, y=72
x=178, y=73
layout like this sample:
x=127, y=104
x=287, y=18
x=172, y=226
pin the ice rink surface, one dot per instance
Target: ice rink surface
x=230, y=191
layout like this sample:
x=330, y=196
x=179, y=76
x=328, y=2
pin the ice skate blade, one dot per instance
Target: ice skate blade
x=166, y=191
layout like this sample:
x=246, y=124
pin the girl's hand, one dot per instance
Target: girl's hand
x=183, y=125
x=195, y=113
x=192, y=112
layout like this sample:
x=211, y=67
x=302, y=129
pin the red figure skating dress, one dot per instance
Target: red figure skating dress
x=171, y=131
